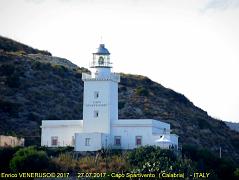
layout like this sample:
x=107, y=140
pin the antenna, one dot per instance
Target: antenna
x=101, y=39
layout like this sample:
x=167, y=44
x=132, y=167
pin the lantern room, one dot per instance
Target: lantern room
x=101, y=58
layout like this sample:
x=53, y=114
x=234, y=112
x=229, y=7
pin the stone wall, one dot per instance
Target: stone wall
x=10, y=141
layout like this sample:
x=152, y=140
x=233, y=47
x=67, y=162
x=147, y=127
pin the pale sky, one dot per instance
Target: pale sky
x=190, y=46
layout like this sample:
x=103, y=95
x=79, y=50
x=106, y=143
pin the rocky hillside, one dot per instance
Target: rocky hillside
x=35, y=86
x=232, y=125
x=10, y=45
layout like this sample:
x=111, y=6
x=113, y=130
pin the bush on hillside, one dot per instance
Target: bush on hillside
x=121, y=104
x=208, y=161
x=141, y=155
x=141, y=91
x=29, y=160
x=236, y=172
x=6, y=69
x=151, y=159
x=6, y=155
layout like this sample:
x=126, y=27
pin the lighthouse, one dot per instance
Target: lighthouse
x=100, y=106
x=100, y=127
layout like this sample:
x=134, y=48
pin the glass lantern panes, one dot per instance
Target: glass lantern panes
x=101, y=60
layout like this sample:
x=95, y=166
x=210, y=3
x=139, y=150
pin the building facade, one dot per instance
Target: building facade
x=11, y=141
x=100, y=127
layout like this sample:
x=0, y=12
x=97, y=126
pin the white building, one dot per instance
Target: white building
x=100, y=127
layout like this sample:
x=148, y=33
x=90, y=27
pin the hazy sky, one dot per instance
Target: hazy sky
x=190, y=46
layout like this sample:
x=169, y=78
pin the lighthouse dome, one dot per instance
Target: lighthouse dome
x=101, y=50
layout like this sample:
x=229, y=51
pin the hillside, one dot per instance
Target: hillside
x=10, y=45
x=35, y=86
x=233, y=126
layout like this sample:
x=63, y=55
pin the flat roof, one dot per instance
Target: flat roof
x=47, y=123
x=140, y=122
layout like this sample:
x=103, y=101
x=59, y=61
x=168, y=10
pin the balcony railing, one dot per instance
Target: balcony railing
x=113, y=76
x=106, y=64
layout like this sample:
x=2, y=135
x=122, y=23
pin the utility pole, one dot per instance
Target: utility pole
x=220, y=152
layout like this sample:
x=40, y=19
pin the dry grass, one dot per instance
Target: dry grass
x=115, y=163
x=65, y=162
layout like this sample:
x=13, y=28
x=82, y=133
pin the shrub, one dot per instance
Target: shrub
x=13, y=81
x=6, y=155
x=152, y=159
x=123, y=88
x=7, y=69
x=8, y=106
x=121, y=104
x=54, y=152
x=203, y=124
x=59, y=69
x=141, y=91
x=30, y=160
x=32, y=116
x=236, y=172
x=208, y=161
x=36, y=65
x=141, y=155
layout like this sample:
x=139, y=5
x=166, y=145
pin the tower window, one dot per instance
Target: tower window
x=54, y=140
x=96, y=94
x=96, y=113
x=87, y=141
x=138, y=140
x=118, y=140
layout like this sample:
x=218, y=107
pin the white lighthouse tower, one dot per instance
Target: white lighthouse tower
x=100, y=106
x=100, y=127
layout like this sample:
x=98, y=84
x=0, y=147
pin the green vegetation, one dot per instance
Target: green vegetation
x=8, y=106
x=236, y=173
x=152, y=159
x=6, y=155
x=203, y=124
x=121, y=104
x=6, y=69
x=29, y=160
x=224, y=168
x=59, y=69
x=141, y=91
x=149, y=159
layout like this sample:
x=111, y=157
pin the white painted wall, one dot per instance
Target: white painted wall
x=102, y=72
x=106, y=104
x=160, y=127
x=113, y=101
x=63, y=129
x=128, y=129
x=128, y=136
x=97, y=141
x=101, y=104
